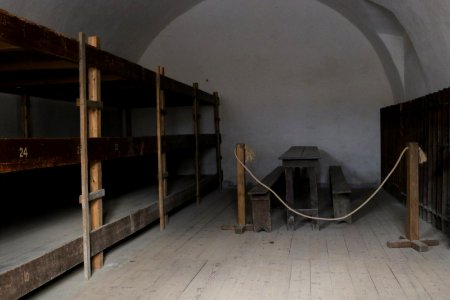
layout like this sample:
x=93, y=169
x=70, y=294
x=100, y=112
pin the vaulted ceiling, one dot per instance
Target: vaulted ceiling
x=127, y=28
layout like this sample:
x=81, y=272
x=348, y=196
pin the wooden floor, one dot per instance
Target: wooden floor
x=194, y=259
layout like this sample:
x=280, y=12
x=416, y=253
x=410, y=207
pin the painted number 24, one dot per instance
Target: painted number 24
x=23, y=152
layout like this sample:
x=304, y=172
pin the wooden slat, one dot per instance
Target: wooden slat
x=420, y=113
x=439, y=160
x=34, y=153
x=196, y=123
x=159, y=136
x=444, y=164
x=163, y=136
x=430, y=159
x=218, y=139
x=84, y=161
x=434, y=158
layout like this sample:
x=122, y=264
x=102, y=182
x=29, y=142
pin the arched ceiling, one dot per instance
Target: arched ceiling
x=128, y=27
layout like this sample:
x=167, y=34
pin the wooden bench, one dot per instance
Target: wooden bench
x=260, y=199
x=340, y=193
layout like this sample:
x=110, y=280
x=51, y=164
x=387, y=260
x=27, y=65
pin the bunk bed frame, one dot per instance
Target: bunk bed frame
x=35, y=61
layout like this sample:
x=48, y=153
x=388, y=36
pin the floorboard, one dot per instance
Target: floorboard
x=194, y=259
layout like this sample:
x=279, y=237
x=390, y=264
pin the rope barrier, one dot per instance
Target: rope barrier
x=320, y=218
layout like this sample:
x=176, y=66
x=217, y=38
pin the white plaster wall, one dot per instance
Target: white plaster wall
x=428, y=26
x=289, y=73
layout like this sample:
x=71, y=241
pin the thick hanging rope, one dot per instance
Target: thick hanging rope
x=422, y=159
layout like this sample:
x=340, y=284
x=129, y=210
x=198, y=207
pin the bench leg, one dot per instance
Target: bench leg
x=261, y=213
x=289, y=173
x=314, y=195
x=342, y=206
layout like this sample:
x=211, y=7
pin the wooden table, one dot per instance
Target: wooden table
x=307, y=158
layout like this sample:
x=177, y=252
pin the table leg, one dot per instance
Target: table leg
x=313, y=194
x=289, y=172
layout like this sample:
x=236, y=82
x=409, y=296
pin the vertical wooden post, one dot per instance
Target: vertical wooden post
x=218, y=139
x=25, y=115
x=240, y=181
x=95, y=167
x=196, y=117
x=163, y=134
x=412, y=219
x=160, y=131
x=84, y=158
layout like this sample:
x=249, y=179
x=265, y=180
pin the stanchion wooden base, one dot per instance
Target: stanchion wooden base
x=418, y=245
x=238, y=229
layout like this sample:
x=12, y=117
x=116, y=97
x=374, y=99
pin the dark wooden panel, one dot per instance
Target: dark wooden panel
x=426, y=121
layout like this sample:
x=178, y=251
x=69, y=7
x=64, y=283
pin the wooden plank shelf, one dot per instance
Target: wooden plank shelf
x=38, y=62
x=32, y=153
x=20, y=280
x=33, y=57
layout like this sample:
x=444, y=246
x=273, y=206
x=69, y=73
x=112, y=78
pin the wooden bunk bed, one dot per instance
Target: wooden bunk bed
x=37, y=62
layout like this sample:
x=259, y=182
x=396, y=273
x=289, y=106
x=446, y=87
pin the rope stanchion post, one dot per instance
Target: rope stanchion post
x=412, y=206
x=241, y=225
x=240, y=181
x=412, y=201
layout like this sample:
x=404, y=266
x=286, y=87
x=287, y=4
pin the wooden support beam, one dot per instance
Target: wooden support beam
x=196, y=115
x=160, y=134
x=84, y=159
x=95, y=131
x=95, y=104
x=25, y=116
x=240, y=182
x=218, y=139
